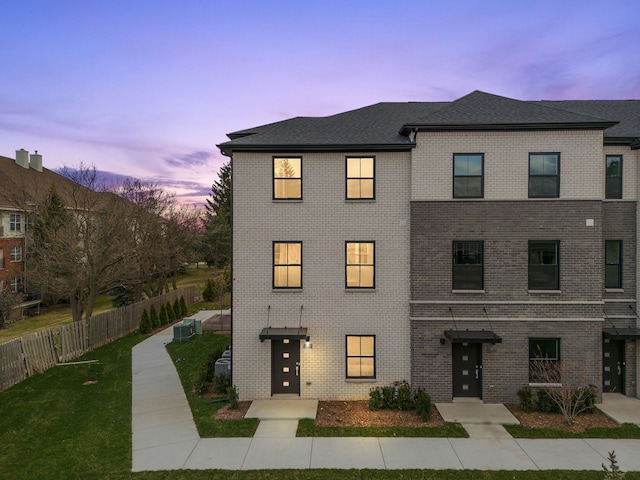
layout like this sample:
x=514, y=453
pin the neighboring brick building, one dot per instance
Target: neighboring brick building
x=438, y=243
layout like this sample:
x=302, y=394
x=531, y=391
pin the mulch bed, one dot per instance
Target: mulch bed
x=557, y=421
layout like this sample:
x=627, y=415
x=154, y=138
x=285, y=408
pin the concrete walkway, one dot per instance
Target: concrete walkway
x=165, y=438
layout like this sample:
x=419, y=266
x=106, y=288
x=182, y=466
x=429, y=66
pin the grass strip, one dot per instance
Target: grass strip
x=189, y=358
x=308, y=428
x=627, y=430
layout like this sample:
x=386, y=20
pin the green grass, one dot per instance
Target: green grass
x=192, y=356
x=54, y=427
x=625, y=431
x=308, y=428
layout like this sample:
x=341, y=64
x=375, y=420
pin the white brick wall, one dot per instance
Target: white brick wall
x=323, y=221
x=506, y=162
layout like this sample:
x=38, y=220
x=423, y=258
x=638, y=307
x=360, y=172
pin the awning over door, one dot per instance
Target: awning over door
x=472, y=336
x=621, y=333
x=278, y=333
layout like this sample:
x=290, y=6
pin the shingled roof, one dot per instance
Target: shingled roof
x=387, y=126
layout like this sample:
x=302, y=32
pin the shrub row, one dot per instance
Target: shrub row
x=168, y=313
x=545, y=403
x=400, y=396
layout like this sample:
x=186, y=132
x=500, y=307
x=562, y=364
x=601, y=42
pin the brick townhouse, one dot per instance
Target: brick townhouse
x=446, y=244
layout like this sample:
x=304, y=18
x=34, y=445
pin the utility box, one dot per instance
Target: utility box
x=197, y=324
x=182, y=332
x=222, y=365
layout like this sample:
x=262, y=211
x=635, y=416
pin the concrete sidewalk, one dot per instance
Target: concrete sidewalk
x=165, y=438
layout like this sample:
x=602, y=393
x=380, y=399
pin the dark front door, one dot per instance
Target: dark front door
x=613, y=365
x=467, y=369
x=285, y=366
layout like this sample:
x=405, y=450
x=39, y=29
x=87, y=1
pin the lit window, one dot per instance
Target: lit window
x=15, y=254
x=543, y=265
x=287, y=178
x=360, y=178
x=361, y=356
x=287, y=265
x=467, y=265
x=613, y=264
x=360, y=265
x=613, y=187
x=468, y=181
x=544, y=175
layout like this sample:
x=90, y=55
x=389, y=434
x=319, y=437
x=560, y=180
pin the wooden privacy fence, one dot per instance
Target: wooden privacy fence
x=36, y=352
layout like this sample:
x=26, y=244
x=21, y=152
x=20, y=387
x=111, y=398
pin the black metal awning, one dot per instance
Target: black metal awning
x=273, y=333
x=622, y=333
x=472, y=336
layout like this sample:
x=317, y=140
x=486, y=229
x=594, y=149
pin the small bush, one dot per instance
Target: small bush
x=177, y=309
x=209, y=291
x=389, y=397
x=171, y=316
x=221, y=383
x=232, y=396
x=526, y=398
x=423, y=404
x=544, y=402
x=375, y=399
x=183, y=306
x=162, y=316
x=588, y=399
x=155, y=319
x=403, y=397
x=145, y=322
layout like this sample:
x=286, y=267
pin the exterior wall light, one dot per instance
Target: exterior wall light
x=307, y=343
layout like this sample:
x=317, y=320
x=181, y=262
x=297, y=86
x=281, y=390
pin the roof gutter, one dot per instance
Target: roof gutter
x=410, y=127
x=229, y=149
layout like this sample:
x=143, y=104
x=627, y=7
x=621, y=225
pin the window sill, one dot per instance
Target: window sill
x=556, y=385
x=360, y=200
x=360, y=380
x=614, y=290
x=286, y=290
x=553, y=292
x=364, y=289
x=468, y=291
x=286, y=200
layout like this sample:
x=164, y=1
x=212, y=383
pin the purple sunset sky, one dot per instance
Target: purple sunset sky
x=147, y=88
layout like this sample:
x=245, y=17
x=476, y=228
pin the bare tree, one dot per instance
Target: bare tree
x=565, y=389
x=8, y=300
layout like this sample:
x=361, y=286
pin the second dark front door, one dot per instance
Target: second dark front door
x=467, y=369
x=613, y=366
x=285, y=366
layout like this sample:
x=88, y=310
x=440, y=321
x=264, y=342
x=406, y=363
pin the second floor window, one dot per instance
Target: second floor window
x=287, y=178
x=468, y=175
x=613, y=264
x=544, y=175
x=467, y=266
x=613, y=188
x=15, y=222
x=360, y=265
x=360, y=178
x=543, y=265
x=287, y=264
x=16, y=254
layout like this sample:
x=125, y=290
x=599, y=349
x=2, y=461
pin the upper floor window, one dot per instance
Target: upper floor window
x=361, y=356
x=287, y=178
x=287, y=264
x=360, y=178
x=360, y=265
x=468, y=171
x=15, y=254
x=467, y=265
x=15, y=222
x=613, y=264
x=1, y=261
x=543, y=265
x=544, y=175
x=544, y=355
x=613, y=188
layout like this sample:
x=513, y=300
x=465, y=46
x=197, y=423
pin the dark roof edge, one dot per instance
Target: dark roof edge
x=229, y=149
x=409, y=127
x=632, y=142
